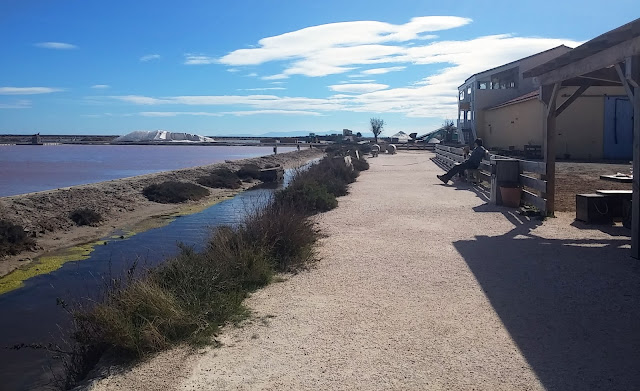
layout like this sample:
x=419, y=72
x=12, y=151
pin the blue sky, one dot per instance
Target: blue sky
x=252, y=67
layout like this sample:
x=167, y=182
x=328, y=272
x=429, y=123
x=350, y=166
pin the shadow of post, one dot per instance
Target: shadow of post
x=571, y=306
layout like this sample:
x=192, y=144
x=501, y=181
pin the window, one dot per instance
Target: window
x=469, y=90
x=483, y=85
x=461, y=94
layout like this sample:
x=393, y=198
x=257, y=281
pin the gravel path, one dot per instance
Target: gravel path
x=410, y=294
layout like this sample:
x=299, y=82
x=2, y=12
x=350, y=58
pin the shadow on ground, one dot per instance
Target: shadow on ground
x=571, y=306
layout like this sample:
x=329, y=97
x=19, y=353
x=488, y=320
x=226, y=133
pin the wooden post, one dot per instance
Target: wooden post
x=549, y=95
x=634, y=64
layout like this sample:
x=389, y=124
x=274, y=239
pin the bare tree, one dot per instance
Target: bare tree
x=376, y=127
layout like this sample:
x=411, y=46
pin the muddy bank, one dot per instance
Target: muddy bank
x=45, y=215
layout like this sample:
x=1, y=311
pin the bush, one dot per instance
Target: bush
x=360, y=164
x=13, y=239
x=249, y=171
x=309, y=197
x=285, y=232
x=173, y=192
x=85, y=216
x=188, y=297
x=221, y=178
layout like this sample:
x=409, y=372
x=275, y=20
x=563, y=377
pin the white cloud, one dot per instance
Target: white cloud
x=27, y=90
x=358, y=81
x=198, y=59
x=100, y=86
x=358, y=87
x=56, y=45
x=275, y=77
x=280, y=112
x=262, y=89
x=176, y=113
x=308, y=41
x=380, y=71
x=342, y=47
x=233, y=70
x=150, y=57
x=19, y=104
x=252, y=74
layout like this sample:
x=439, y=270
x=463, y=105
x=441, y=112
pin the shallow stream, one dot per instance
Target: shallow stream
x=30, y=314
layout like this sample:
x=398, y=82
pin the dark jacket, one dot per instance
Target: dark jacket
x=476, y=156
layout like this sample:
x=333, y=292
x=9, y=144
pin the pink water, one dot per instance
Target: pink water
x=29, y=168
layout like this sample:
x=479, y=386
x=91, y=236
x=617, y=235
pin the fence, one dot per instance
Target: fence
x=415, y=146
x=500, y=170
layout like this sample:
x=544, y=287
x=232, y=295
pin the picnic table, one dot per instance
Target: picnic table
x=620, y=178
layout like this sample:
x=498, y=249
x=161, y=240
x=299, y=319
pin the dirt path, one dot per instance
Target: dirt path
x=410, y=294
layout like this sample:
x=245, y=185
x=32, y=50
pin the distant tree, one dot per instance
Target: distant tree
x=359, y=135
x=376, y=127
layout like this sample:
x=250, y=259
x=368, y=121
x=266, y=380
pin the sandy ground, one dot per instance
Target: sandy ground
x=576, y=178
x=45, y=214
x=423, y=286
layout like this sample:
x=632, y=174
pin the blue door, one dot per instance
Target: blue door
x=618, y=128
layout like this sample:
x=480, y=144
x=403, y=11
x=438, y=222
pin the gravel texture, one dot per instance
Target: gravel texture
x=423, y=286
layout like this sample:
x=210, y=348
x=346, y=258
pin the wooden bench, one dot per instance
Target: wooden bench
x=605, y=206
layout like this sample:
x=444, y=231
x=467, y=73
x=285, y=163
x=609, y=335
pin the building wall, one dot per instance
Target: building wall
x=579, y=128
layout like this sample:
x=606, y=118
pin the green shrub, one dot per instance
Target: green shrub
x=221, y=178
x=13, y=239
x=173, y=192
x=308, y=196
x=249, y=171
x=188, y=297
x=85, y=216
x=285, y=232
x=360, y=164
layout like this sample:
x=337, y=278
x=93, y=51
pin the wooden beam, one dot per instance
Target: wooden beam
x=632, y=67
x=571, y=99
x=635, y=203
x=625, y=83
x=550, y=145
x=602, y=59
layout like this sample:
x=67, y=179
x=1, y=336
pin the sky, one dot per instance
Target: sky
x=256, y=66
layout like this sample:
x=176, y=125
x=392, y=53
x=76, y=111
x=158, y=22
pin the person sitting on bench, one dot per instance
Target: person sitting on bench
x=472, y=163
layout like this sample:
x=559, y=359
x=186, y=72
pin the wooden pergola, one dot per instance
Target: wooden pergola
x=612, y=59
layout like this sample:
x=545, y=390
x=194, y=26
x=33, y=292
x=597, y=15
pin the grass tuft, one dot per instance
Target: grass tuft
x=173, y=192
x=221, y=178
x=188, y=297
x=85, y=216
x=13, y=239
x=248, y=172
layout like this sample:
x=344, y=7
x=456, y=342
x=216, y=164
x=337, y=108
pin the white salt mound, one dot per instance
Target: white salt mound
x=162, y=136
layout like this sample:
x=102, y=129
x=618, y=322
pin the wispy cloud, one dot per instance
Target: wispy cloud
x=177, y=113
x=358, y=88
x=342, y=47
x=19, y=104
x=327, y=49
x=55, y=45
x=262, y=89
x=380, y=71
x=280, y=112
x=198, y=59
x=27, y=90
x=233, y=70
x=252, y=74
x=100, y=86
x=150, y=57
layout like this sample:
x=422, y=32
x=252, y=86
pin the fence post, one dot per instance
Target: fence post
x=503, y=171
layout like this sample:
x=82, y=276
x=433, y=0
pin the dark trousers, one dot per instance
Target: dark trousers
x=458, y=168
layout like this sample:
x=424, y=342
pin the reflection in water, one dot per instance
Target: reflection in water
x=30, y=313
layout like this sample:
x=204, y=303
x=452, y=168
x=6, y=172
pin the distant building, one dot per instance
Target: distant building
x=494, y=86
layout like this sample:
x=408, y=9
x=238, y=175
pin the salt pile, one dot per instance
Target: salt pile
x=161, y=136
